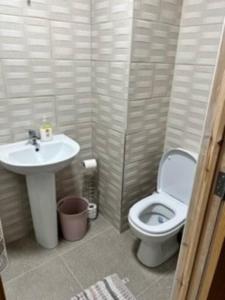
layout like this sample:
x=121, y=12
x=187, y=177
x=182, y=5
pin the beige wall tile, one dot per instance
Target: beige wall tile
x=11, y=7
x=111, y=10
x=199, y=44
x=110, y=111
x=111, y=40
x=12, y=35
x=45, y=70
x=203, y=12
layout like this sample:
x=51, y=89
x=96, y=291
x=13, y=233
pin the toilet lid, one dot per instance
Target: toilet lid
x=176, y=174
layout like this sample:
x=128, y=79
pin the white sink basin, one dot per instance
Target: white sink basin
x=39, y=168
x=22, y=158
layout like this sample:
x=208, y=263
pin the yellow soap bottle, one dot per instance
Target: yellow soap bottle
x=46, y=132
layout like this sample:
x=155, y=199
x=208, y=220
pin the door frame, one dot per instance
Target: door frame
x=201, y=235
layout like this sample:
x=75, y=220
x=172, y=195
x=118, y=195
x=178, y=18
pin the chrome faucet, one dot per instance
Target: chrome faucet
x=33, y=137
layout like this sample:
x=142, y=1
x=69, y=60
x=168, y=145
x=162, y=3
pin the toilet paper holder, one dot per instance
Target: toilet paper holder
x=90, y=186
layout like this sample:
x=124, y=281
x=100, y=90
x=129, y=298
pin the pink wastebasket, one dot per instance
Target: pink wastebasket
x=73, y=215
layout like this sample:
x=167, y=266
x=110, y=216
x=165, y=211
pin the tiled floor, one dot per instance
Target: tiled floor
x=38, y=274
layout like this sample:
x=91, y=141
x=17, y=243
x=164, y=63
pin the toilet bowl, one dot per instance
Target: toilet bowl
x=157, y=219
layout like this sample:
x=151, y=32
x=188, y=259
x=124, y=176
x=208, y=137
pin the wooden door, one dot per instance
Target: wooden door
x=212, y=280
x=217, y=288
x=198, y=246
x=2, y=293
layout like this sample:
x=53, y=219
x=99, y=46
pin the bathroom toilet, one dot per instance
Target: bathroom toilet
x=157, y=219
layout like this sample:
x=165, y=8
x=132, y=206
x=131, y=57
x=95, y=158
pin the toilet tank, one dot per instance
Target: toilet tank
x=176, y=174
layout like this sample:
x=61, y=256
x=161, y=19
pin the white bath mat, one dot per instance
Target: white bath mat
x=110, y=288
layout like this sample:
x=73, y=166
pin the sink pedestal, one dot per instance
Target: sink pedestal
x=42, y=197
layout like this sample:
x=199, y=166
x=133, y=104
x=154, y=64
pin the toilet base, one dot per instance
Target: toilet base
x=154, y=254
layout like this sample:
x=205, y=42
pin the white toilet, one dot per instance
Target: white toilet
x=157, y=219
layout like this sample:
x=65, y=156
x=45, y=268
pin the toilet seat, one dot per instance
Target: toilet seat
x=177, y=207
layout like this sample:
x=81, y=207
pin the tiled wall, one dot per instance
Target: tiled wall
x=154, y=42
x=199, y=38
x=111, y=46
x=170, y=67
x=103, y=71
x=133, y=53
x=45, y=69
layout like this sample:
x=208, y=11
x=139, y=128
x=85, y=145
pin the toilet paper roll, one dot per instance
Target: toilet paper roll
x=89, y=164
x=92, y=211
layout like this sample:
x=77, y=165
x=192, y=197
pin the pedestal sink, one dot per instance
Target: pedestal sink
x=39, y=169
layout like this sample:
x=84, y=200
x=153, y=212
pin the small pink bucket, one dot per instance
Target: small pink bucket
x=73, y=215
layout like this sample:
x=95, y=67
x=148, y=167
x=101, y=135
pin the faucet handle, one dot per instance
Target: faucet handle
x=32, y=134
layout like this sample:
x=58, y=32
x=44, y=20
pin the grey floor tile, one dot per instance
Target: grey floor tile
x=109, y=253
x=25, y=255
x=159, y=290
x=51, y=281
x=170, y=266
x=36, y=273
x=95, y=227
